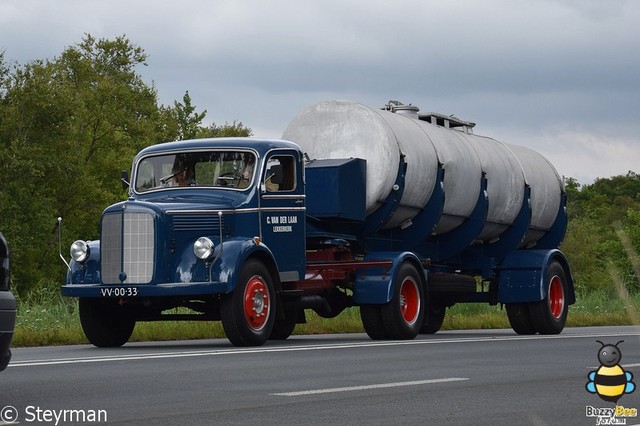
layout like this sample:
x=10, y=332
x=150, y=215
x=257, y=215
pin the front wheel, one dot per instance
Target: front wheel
x=550, y=314
x=283, y=327
x=403, y=315
x=104, y=323
x=248, y=313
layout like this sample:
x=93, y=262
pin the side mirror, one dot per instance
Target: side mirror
x=124, y=177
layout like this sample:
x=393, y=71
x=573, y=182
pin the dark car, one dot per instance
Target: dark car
x=7, y=306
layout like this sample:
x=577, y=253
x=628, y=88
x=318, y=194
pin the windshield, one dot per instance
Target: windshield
x=225, y=169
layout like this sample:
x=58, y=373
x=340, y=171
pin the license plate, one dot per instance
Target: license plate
x=119, y=292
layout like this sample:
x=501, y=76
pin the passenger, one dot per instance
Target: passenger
x=271, y=186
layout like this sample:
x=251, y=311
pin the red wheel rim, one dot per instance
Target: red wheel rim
x=556, y=297
x=409, y=300
x=256, y=303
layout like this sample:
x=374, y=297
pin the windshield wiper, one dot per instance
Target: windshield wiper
x=167, y=178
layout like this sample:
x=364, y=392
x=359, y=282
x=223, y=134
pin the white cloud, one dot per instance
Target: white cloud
x=582, y=154
x=585, y=156
x=523, y=70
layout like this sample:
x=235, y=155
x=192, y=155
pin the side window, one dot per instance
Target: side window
x=281, y=174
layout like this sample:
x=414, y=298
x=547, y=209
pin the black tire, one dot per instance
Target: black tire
x=433, y=319
x=283, y=328
x=372, y=321
x=247, y=320
x=403, y=315
x=519, y=318
x=5, y=359
x=550, y=315
x=104, y=323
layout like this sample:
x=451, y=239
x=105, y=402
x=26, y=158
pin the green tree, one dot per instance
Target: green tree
x=184, y=118
x=234, y=129
x=70, y=125
x=182, y=122
x=599, y=215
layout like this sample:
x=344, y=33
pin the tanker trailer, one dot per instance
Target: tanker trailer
x=486, y=216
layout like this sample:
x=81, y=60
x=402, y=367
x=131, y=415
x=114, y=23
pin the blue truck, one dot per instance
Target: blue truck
x=399, y=213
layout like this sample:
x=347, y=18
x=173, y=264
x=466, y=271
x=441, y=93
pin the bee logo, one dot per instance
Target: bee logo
x=610, y=381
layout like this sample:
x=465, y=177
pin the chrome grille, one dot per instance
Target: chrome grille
x=127, y=248
x=111, y=248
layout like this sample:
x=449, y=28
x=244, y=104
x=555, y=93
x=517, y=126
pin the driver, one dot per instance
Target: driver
x=182, y=173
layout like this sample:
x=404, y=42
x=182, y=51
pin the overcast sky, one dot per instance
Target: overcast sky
x=559, y=76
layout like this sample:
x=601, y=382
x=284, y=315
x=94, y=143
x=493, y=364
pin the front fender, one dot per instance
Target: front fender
x=234, y=254
x=377, y=285
x=89, y=271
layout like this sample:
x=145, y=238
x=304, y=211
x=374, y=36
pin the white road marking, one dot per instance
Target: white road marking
x=297, y=348
x=367, y=387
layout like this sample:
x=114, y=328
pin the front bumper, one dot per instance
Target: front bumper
x=145, y=290
x=7, y=326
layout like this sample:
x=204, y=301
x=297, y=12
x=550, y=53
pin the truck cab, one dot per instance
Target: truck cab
x=198, y=214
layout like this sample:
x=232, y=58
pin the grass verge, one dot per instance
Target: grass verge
x=53, y=320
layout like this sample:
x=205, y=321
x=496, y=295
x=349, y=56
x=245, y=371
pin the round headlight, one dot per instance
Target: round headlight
x=79, y=251
x=203, y=248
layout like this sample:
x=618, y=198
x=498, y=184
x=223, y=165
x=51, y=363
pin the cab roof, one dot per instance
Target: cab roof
x=259, y=145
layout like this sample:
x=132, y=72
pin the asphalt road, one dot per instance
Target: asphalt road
x=482, y=377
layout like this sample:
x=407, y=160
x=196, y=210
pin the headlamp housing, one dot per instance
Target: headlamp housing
x=203, y=248
x=79, y=251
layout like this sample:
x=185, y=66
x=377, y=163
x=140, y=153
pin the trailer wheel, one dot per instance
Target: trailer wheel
x=282, y=328
x=550, y=314
x=248, y=313
x=433, y=319
x=519, y=318
x=403, y=315
x=103, y=325
x=372, y=321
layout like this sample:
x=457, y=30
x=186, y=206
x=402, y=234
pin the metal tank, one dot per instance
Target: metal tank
x=398, y=133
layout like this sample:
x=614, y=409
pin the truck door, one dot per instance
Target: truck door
x=282, y=212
